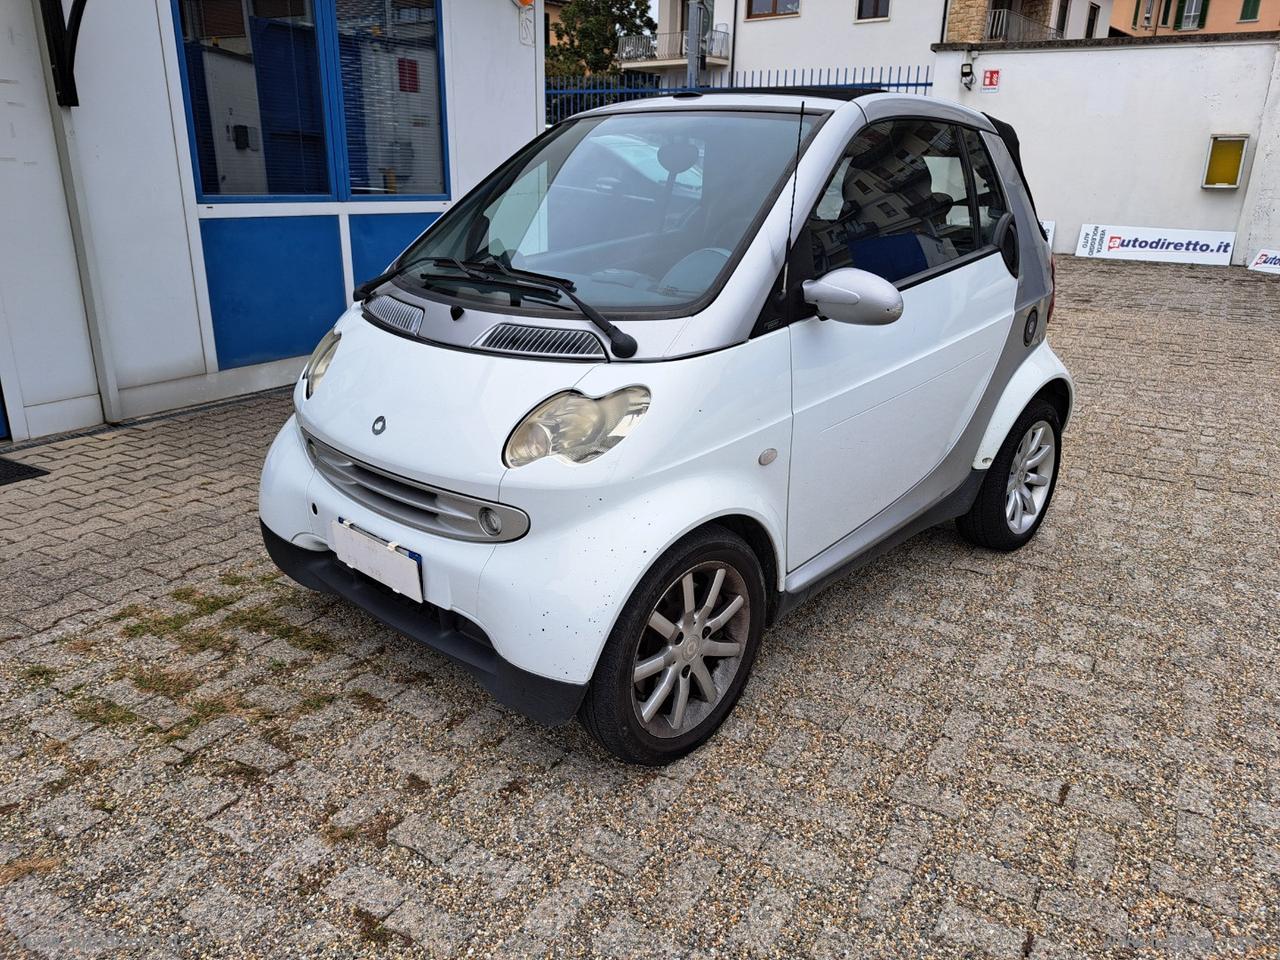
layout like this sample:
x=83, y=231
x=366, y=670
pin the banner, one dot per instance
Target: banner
x=1155, y=243
x=1267, y=261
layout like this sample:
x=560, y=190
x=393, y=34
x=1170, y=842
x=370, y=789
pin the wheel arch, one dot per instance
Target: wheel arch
x=761, y=543
x=1042, y=374
x=1059, y=393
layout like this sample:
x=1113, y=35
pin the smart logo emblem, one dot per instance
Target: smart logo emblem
x=379, y=425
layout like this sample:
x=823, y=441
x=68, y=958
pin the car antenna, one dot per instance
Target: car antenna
x=795, y=180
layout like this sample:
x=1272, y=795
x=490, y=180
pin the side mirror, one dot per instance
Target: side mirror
x=854, y=296
x=1005, y=237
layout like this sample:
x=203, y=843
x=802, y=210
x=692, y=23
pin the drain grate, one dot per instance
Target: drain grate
x=11, y=471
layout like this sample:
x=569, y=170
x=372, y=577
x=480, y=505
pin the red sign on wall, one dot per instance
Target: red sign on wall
x=990, y=81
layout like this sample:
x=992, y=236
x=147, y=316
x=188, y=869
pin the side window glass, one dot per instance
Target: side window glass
x=897, y=204
x=991, y=203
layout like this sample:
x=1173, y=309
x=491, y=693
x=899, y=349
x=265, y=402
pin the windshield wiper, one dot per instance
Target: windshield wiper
x=622, y=344
x=363, y=291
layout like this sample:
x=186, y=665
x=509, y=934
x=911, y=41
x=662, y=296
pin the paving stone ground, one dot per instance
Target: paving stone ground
x=1071, y=751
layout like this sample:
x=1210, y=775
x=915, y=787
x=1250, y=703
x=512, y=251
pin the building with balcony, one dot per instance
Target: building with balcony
x=752, y=39
x=665, y=53
x=1021, y=21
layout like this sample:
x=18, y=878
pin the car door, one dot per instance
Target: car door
x=876, y=409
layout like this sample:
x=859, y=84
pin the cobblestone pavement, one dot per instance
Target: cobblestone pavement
x=1070, y=751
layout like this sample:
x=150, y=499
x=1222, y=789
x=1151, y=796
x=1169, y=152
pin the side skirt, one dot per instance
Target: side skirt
x=855, y=550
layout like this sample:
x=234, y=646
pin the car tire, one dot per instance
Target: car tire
x=660, y=639
x=995, y=520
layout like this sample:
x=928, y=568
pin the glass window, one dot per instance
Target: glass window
x=897, y=203
x=1091, y=26
x=986, y=186
x=872, y=9
x=1249, y=10
x=644, y=212
x=771, y=8
x=1190, y=15
x=391, y=96
x=1064, y=9
x=257, y=112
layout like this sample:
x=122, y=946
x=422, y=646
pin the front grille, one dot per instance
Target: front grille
x=552, y=342
x=396, y=313
x=418, y=505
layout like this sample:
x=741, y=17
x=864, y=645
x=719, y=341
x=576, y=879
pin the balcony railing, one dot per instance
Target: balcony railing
x=670, y=46
x=1014, y=27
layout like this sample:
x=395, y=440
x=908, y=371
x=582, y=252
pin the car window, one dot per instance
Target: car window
x=897, y=203
x=645, y=212
x=991, y=203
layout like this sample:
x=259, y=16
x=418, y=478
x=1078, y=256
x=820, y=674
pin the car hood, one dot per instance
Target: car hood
x=445, y=414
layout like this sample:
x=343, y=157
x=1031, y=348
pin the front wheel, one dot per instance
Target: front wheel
x=679, y=655
x=1015, y=494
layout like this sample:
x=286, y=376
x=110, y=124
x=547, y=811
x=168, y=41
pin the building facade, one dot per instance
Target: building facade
x=192, y=227
x=1146, y=18
x=759, y=37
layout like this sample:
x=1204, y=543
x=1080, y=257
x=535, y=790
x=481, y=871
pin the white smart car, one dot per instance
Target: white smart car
x=670, y=369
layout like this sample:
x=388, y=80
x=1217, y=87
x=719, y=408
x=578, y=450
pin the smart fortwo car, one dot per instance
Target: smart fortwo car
x=671, y=368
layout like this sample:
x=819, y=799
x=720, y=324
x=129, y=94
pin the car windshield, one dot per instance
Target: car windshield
x=642, y=213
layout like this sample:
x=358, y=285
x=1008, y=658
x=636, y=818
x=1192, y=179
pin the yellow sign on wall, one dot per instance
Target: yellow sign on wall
x=1225, y=162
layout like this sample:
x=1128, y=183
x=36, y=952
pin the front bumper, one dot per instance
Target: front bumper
x=548, y=701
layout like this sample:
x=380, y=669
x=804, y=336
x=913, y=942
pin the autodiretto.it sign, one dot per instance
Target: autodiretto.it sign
x=1155, y=243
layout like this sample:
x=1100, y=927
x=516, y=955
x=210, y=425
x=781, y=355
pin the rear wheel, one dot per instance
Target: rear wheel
x=1019, y=484
x=679, y=656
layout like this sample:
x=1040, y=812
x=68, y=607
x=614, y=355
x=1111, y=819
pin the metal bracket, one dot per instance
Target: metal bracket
x=62, y=36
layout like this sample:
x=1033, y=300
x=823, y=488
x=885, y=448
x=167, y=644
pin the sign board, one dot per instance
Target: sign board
x=1267, y=261
x=1155, y=243
x=1049, y=227
x=990, y=81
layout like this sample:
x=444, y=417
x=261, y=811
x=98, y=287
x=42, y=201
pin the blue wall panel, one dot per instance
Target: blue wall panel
x=275, y=285
x=378, y=238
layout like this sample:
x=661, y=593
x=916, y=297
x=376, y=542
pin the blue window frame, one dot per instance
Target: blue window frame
x=314, y=99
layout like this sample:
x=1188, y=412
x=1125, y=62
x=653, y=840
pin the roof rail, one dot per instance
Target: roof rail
x=844, y=92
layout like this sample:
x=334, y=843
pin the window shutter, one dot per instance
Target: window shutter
x=1250, y=10
x=1204, y=14
x=1164, y=17
x=1177, y=14
x=1136, y=5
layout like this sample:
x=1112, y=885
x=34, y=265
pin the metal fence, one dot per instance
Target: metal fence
x=569, y=95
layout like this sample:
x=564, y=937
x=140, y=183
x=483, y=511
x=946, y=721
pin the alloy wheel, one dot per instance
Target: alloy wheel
x=691, y=649
x=1030, y=475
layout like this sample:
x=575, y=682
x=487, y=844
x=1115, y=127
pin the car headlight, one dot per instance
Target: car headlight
x=318, y=365
x=574, y=427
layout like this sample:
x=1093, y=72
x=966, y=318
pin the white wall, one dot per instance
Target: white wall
x=495, y=86
x=1260, y=223
x=125, y=139
x=46, y=366
x=825, y=34
x=1119, y=134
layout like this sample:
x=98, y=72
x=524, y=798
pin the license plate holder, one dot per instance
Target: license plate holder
x=391, y=564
